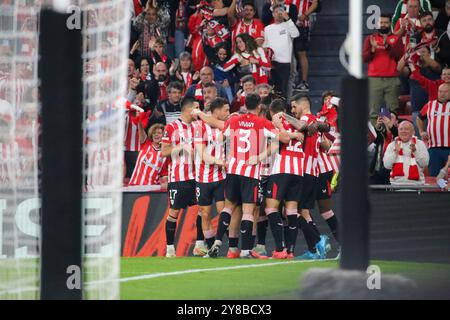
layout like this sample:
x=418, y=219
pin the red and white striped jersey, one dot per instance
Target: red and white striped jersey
x=302, y=7
x=335, y=151
x=324, y=163
x=99, y=159
x=248, y=136
x=254, y=29
x=208, y=137
x=310, y=148
x=289, y=160
x=131, y=132
x=181, y=168
x=438, y=129
x=150, y=166
x=257, y=70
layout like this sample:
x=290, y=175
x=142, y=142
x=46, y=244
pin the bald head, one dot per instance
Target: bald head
x=160, y=71
x=444, y=92
x=413, y=8
x=206, y=75
x=405, y=131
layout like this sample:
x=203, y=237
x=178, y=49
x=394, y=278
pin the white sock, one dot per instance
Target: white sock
x=199, y=243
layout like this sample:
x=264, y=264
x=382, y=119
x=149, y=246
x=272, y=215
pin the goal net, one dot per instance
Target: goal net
x=105, y=30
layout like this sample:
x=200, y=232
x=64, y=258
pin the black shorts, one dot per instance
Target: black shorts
x=181, y=194
x=240, y=189
x=206, y=192
x=285, y=187
x=308, y=195
x=324, y=186
x=301, y=43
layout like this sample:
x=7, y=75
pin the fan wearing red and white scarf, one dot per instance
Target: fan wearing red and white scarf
x=398, y=167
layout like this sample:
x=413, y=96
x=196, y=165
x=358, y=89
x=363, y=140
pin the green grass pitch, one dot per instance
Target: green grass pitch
x=195, y=278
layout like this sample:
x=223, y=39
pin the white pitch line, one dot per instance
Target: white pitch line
x=245, y=266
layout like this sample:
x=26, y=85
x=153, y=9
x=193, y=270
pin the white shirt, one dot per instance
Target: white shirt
x=279, y=37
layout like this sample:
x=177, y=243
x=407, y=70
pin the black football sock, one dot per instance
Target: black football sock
x=222, y=227
x=246, y=234
x=261, y=231
x=171, y=226
x=276, y=226
x=333, y=224
x=200, y=235
x=292, y=233
x=310, y=234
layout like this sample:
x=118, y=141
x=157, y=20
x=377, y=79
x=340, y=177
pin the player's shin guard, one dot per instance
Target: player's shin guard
x=261, y=230
x=276, y=226
x=171, y=226
x=292, y=230
x=198, y=223
x=224, y=222
x=246, y=232
x=310, y=234
x=332, y=222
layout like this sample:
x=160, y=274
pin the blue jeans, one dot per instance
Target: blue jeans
x=438, y=159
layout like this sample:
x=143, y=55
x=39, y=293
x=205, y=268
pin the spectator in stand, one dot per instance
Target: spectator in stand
x=209, y=94
x=387, y=130
x=246, y=22
x=168, y=110
x=248, y=85
x=381, y=51
x=144, y=70
x=443, y=17
x=264, y=90
x=152, y=23
x=158, y=53
x=402, y=9
x=162, y=77
x=289, y=6
x=151, y=166
x=409, y=25
x=249, y=59
x=180, y=26
x=406, y=157
x=301, y=44
x=184, y=71
x=437, y=134
x=214, y=34
x=226, y=79
x=206, y=76
x=279, y=37
x=132, y=71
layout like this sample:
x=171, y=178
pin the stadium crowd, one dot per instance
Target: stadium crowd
x=219, y=119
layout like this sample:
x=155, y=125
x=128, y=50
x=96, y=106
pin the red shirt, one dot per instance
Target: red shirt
x=290, y=158
x=131, y=132
x=248, y=135
x=430, y=86
x=208, y=137
x=310, y=147
x=181, y=168
x=383, y=62
x=150, y=166
x=255, y=29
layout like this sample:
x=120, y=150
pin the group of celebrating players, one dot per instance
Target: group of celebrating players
x=261, y=167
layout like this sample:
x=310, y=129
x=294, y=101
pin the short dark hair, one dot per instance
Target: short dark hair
x=248, y=78
x=386, y=15
x=252, y=101
x=177, y=85
x=186, y=101
x=217, y=103
x=426, y=14
x=209, y=85
x=301, y=97
x=277, y=105
x=328, y=93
